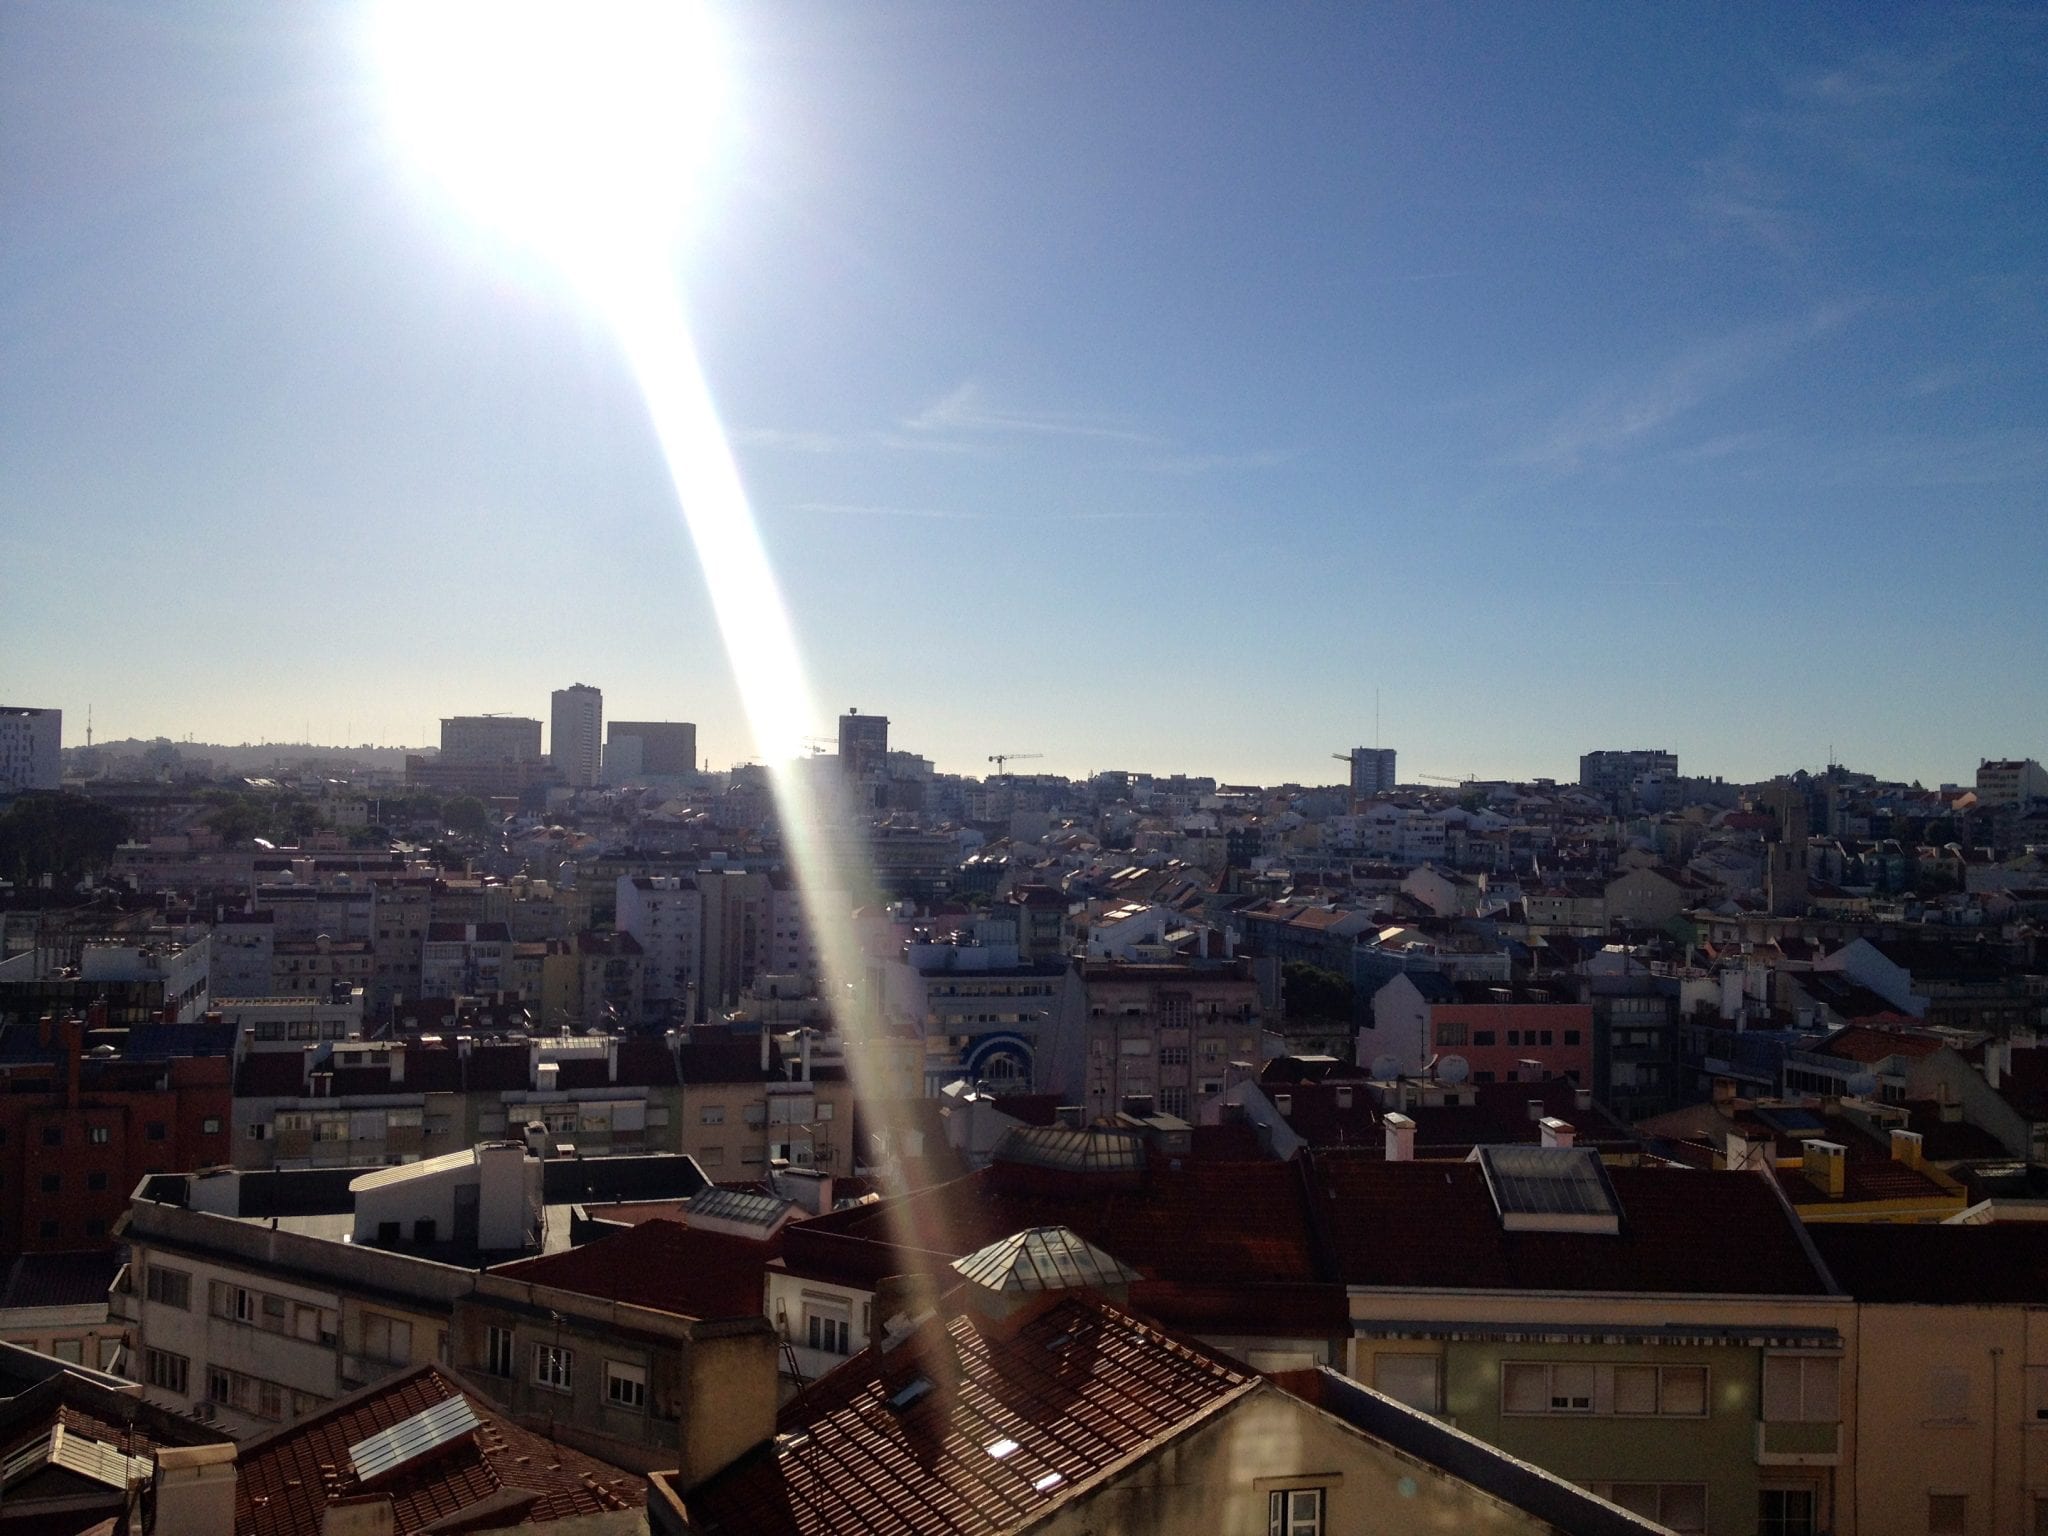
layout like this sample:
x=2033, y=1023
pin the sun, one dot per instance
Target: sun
x=581, y=131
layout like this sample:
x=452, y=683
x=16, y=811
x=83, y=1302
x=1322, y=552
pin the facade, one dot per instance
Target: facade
x=1592, y=1333
x=1612, y=772
x=1165, y=1034
x=649, y=748
x=2000, y=781
x=465, y=959
x=79, y=1130
x=1508, y=1032
x=489, y=740
x=664, y=914
x=863, y=745
x=30, y=743
x=1372, y=772
x=576, y=734
x=981, y=1013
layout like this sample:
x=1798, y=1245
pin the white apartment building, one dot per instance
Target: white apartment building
x=2000, y=781
x=984, y=1014
x=665, y=913
x=29, y=743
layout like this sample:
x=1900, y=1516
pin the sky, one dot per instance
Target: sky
x=1175, y=387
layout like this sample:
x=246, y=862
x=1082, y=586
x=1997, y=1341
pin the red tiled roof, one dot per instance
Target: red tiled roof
x=1078, y=1385
x=661, y=1264
x=1857, y=1042
x=1419, y=1224
x=2002, y=1263
x=583, y=1073
x=289, y=1477
x=496, y=1066
x=1864, y=1179
x=270, y=1074
x=645, y=1062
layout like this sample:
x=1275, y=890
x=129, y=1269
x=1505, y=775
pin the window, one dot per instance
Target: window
x=1294, y=1512
x=1947, y=1514
x=172, y=1287
x=831, y=1334
x=70, y=1351
x=1681, y=1506
x=161, y=1368
x=625, y=1386
x=1450, y=1034
x=1667, y=1391
x=156, y=1130
x=53, y=1183
x=498, y=1351
x=1410, y=1379
x=711, y=1157
x=1948, y=1396
x=98, y=1136
x=1571, y=1037
x=211, y=1125
x=387, y=1338
x=1802, y=1389
x=50, y=1231
x=53, y=1135
x=711, y=1114
x=96, y=1182
x=1515, y=1037
x=553, y=1367
x=1482, y=1037
x=231, y=1301
x=825, y=1110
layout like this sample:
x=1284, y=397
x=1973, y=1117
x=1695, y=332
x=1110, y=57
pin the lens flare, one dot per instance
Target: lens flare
x=581, y=132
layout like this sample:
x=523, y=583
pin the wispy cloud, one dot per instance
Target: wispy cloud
x=1205, y=463
x=1628, y=408
x=967, y=410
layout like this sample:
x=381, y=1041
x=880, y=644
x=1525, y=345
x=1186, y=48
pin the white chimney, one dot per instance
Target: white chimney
x=1535, y=1109
x=1556, y=1132
x=1344, y=1096
x=195, y=1489
x=1582, y=1099
x=1400, y=1139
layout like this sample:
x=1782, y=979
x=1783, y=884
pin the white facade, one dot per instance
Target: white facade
x=29, y=743
x=665, y=913
x=2010, y=781
x=576, y=734
x=1372, y=771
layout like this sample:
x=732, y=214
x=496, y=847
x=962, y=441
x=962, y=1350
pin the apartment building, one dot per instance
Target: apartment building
x=1165, y=1033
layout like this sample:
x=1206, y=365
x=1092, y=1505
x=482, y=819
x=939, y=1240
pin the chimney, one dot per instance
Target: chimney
x=1993, y=1067
x=1535, y=1108
x=396, y=1056
x=765, y=1044
x=1907, y=1149
x=1344, y=1096
x=1400, y=1138
x=1582, y=1099
x=195, y=1489
x=805, y=1036
x=1826, y=1166
x=74, y=1049
x=611, y=1060
x=1556, y=1132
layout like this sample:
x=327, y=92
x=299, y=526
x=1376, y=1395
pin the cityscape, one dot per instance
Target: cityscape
x=1152, y=770
x=1642, y=1152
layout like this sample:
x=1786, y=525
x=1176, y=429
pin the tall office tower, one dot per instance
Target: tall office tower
x=576, y=735
x=490, y=739
x=650, y=748
x=863, y=745
x=30, y=740
x=1372, y=771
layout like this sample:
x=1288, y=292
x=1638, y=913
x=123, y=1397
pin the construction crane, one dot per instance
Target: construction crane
x=1000, y=758
x=1443, y=778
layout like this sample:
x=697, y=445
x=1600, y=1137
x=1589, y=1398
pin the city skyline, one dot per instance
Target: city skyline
x=1556, y=380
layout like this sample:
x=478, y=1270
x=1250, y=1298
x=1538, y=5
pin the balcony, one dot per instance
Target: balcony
x=1798, y=1445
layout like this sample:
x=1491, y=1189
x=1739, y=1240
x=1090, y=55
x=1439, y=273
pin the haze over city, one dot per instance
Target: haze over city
x=1150, y=387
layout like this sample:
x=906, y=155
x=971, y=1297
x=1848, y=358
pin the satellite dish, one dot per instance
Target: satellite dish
x=1385, y=1068
x=1453, y=1070
x=1863, y=1084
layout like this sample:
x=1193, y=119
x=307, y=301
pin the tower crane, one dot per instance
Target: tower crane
x=1000, y=758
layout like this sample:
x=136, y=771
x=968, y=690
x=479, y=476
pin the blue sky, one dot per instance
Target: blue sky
x=1144, y=386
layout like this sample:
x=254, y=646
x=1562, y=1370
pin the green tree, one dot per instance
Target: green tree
x=59, y=836
x=1310, y=993
x=468, y=816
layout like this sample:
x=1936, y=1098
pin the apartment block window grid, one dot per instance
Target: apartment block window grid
x=1628, y=1391
x=554, y=1367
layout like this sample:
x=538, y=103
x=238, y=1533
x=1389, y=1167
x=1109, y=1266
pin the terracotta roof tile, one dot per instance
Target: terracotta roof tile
x=288, y=1478
x=1076, y=1385
x=664, y=1265
x=1998, y=1264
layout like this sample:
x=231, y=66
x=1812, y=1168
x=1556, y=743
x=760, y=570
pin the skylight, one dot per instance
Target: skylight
x=1550, y=1189
x=407, y=1441
x=912, y=1391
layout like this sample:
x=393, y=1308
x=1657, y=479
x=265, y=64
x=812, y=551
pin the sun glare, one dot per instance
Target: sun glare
x=581, y=131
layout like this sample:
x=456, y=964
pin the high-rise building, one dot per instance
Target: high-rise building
x=653, y=748
x=575, y=737
x=490, y=739
x=2000, y=781
x=1372, y=771
x=863, y=745
x=30, y=740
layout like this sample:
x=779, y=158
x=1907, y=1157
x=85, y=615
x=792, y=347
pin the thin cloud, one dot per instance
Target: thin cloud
x=964, y=410
x=1623, y=410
